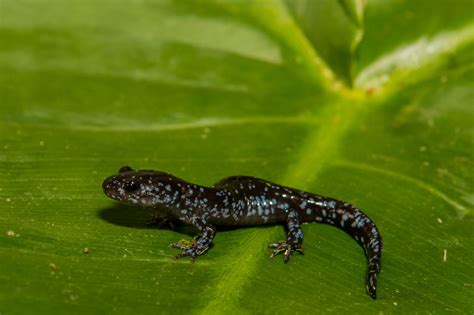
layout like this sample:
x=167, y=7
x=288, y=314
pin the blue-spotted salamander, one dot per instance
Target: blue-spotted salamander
x=244, y=201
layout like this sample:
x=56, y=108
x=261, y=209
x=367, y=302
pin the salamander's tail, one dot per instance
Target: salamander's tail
x=372, y=243
x=372, y=284
x=369, y=237
x=359, y=226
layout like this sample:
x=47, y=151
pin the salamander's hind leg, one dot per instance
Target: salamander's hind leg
x=294, y=241
x=199, y=245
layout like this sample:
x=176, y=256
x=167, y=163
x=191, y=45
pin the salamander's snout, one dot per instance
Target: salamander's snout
x=107, y=185
x=112, y=187
x=116, y=186
x=124, y=187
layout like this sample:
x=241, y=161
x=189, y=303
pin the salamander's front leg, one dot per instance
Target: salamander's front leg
x=199, y=245
x=294, y=241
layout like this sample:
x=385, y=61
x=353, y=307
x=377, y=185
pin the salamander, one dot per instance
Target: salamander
x=244, y=201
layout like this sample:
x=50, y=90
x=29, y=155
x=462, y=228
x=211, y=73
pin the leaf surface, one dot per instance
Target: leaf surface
x=210, y=89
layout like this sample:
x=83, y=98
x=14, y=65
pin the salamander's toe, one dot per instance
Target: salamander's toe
x=286, y=248
x=189, y=252
x=281, y=247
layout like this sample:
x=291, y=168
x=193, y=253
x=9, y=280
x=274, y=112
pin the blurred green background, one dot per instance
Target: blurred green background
x=366, y=101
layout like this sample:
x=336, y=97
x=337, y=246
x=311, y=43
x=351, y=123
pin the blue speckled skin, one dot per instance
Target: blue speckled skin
x=240, y=201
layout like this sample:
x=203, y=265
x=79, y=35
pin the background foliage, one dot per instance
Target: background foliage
x=370, y=102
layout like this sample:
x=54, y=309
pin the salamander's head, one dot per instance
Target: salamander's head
x=143, y=187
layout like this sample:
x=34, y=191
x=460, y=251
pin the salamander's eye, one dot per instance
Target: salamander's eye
x=125, y=169
x=131, y=187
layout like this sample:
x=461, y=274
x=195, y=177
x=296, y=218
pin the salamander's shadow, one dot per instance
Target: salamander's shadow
x=141, y=218
x=125, y=215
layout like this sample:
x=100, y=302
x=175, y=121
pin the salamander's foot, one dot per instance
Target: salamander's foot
x=184, y=244
x=189, y=248
x=286, y=248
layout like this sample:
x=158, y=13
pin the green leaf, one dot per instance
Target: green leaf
x=334, y=28
x=209, y=89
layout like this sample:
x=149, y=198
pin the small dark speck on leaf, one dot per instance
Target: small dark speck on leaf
x=370, y=90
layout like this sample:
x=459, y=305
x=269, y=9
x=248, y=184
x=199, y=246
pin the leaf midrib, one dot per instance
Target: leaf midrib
x=320, y=146
x=325, y=142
